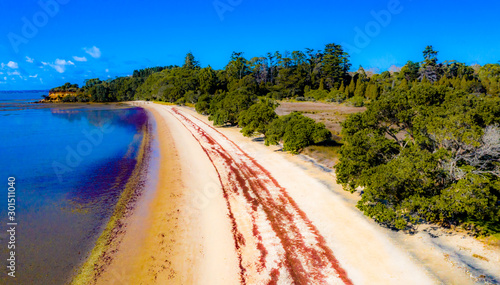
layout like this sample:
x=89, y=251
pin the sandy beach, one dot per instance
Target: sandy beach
x=225, y=209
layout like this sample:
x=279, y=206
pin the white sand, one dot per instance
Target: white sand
x=190, y=208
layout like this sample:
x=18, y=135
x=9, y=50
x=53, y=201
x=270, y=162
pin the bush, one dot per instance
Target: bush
x=203, y=104
x=226, y=108
x=317, y=94
x=357, y=101
x=296, y=131
x=181, y=101
x=257, y=118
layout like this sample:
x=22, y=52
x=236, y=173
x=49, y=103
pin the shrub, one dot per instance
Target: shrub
x=257, y=118
x=296, y=131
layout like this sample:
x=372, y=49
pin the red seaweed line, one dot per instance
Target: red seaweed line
x=264, y=198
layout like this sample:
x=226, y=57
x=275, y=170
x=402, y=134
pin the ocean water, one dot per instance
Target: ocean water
x=70, y=163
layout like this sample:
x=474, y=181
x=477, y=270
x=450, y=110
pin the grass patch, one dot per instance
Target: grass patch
x=174, y=104
x=326, y=153
x=493, y=240
x=164, y=103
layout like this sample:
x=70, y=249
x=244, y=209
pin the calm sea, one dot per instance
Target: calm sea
x=70, y=164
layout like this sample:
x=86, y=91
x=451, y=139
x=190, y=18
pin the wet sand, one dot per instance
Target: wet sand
x=176, y=235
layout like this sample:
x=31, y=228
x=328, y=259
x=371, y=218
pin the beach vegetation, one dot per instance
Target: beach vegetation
x=428, y=154
x=258, y=117
x=296, y=132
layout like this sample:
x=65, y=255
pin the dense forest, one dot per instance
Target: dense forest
x=426, y=150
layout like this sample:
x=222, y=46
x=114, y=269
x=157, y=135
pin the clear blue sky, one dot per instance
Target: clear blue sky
x=87, y=39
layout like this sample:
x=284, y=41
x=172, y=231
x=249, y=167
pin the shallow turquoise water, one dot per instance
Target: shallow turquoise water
x=70, y=163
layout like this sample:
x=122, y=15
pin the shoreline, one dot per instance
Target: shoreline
x=185, y=241
x=108, y=241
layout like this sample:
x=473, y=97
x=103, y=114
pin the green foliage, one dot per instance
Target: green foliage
x=203, y=104
x=144, y=73
x=357, y=101
x=257, y=118
x=335, y=65
x=225, y=108
x=169, y=85
x=296, y=131
x=425, y=150
x=429, y=153
x=317, y=94
x=208, y=80
x=238, y=66
x=409, y=71
x=190, y=62
x=430, y=56
x=66, y=87
x=490, y=77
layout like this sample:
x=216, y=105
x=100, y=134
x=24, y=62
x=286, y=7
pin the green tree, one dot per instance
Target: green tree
x=296, y=131
x=334, y=65
x=429, y=69
x=351, y=89
x=190, y=62
x=409, y=71
x=360, y=89
x=208, y=80
x=415, y=152
x=258, y=117
x=238, y=66
x=226, y=107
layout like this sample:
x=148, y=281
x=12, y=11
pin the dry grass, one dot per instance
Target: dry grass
x=330, y=114
x=327, y=155
x=492, y=240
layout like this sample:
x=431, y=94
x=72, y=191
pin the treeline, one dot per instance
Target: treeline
x=301, y=75
x=426, y=150
x=112, y=90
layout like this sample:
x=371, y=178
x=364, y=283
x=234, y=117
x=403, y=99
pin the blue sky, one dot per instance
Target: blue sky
x=42, y=46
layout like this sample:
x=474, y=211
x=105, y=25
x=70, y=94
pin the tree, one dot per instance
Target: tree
x=430, y=68
x=360, y=89
x=372, y=91
x=296, y=131
x=257, y=118
x=420, y=155
x=203, y=104
x=430, y=56
x=208, y=80
x=237, y=67
x=489, y=75
x=334, y=65
x=351, y=88
x=409, y=71
x=190, y=62
x=226, y=108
